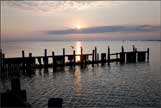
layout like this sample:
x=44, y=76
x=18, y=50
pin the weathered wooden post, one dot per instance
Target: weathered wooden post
x=93, y=58
x=45, y=58
x=5, y=65
x=45, y=55
x=74, y=58
x=122, y=55
x=2, y=64
x=23, y=60
x=55, y=103
x=14, y=97
x=136, y=52
x=96, y=54
x=133, y=46
x=63, y=56
x=116, y=58
x=30, y=55
x=32, y=60
x=3, y=55
x=16, y=89
x=108, y=55
x=29, y=61
x=103, y=58
x=54, y=61
x=23, y=54
x=81, y=57
x=122, y=48
x=45, y=52
x=53, y=58
x=2, y=69
x=147, y=54
x=45, y=61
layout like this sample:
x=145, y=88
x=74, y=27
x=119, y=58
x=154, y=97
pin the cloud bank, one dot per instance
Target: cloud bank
x=107, y=29
x=52, y=6
x=120, y=32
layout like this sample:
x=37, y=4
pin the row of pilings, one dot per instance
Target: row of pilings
x=27, y=63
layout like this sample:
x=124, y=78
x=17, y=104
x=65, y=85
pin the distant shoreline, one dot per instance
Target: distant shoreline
x=72, y=40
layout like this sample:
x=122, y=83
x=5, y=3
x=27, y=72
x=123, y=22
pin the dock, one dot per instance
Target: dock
x=15, y=64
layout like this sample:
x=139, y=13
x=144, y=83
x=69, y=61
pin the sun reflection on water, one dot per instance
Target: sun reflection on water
x=78, y=51
x=77, y=82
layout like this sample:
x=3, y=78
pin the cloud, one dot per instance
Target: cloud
x=106, y=29
x=52, y=6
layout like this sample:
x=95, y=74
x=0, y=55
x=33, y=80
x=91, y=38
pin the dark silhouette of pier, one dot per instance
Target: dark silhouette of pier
x=27, y=63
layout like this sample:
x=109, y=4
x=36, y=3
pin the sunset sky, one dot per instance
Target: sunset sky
x=80, y=20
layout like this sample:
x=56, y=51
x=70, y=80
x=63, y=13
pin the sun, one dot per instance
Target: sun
x=78, y=27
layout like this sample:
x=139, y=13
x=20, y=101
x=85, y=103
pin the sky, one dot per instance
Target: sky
x=80, y=20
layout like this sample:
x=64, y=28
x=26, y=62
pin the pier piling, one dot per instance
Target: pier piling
x=16, y=89
x=147, y=54
x=23, y=60
x=133, y=46
x=74, y=58
x=81, y=58
x=45, y=59
x=53, y=58
x=55, y=103
x=23, y=53
x=63, y=56
x=122, y=55
x=54, y=62
x=116, y=58
x=108, y=55
x=96, y=54
x=93, y=58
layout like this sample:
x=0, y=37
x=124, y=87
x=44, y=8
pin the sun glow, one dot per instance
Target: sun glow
x=78, y=26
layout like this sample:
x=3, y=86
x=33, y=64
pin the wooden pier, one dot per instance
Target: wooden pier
x=29, y=62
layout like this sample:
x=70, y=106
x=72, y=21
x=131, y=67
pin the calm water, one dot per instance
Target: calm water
x=126, y=86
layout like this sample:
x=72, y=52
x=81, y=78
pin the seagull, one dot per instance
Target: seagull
x=72, y=47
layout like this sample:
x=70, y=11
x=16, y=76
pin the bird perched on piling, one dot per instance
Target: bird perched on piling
x=72, y=47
